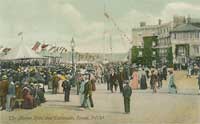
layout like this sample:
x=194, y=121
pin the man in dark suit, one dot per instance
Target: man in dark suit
x=120, y=78
x=113, y=78
x=66, y=88
x=127, y=92
x=3, y=91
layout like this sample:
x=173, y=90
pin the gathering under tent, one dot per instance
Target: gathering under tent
x=21, y=52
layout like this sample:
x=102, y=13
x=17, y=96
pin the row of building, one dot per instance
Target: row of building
x=181, y=36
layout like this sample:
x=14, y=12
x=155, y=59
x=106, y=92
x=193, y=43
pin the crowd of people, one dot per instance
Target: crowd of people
x=23, y=85
x=140, y=77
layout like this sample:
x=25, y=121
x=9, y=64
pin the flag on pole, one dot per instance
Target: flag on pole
x=65, y=50
x=44, y=46
x=62, y=50
x=36, y=46
x=106, y=15
x=53, y=47
x=56, y=50
x=5, y=50
x=20, y=33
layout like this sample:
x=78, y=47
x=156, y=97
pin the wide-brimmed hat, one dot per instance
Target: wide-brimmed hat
x=4, y=77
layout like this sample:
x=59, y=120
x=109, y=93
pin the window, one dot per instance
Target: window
x=154, y=53
x=196, y=49
x=199, y=34
x=174, y=35
x=183, y=60
x=153, y=44
x=181, y=50
x=140, y=54
x=196, y=34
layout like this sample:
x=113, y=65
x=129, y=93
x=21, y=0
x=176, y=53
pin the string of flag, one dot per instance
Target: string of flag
x=116, y=26
x=50, y=48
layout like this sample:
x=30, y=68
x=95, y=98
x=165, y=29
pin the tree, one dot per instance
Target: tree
x=135, y=52
x=148, y=50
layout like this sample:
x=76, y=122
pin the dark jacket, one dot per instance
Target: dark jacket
x=127, y=91
x=4, y=88
x=113, y=77
x=66, y=85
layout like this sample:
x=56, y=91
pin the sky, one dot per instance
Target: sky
x=57, y=21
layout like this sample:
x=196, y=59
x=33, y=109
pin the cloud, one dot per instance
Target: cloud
x=180, y=8
x=133, y=18
x=56, y=21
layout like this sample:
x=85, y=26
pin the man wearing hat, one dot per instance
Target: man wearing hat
x=113, y=79
x=66, y=88
x=127, y=91
x=3, y=91
x=55, y=83
x=120, y=78
x=198, y=79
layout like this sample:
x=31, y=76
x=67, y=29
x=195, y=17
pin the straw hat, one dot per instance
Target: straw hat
x=4, y=77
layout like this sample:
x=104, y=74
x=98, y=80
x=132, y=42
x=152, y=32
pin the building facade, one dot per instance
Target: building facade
x=165, y=33
x=185, y=41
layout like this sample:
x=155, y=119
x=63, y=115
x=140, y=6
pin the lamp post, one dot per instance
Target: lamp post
x=72, y=46
x=73, y=65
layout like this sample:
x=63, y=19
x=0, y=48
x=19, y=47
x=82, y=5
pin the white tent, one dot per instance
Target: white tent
x=21, y=52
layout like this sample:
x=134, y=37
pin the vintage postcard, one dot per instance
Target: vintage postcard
x=99, y=62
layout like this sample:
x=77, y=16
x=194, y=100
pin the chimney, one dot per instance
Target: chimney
x=142, y=24
x=159, y=21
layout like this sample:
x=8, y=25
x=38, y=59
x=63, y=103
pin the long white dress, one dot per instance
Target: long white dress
x=82, y=88
x=82, y=95
x=171, y=85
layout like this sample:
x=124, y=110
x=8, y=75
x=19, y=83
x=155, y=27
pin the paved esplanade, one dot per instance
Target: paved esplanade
x=146, y=107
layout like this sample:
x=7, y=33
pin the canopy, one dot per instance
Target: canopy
x=21, y=52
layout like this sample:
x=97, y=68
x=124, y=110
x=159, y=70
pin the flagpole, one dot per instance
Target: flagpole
x=111, y=48
x=104, y=33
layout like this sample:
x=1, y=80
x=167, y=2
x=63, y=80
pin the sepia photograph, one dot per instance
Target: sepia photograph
x=99, y=62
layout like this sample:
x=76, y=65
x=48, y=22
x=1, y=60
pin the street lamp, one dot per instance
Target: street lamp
x=73, y=65
x=72, y=46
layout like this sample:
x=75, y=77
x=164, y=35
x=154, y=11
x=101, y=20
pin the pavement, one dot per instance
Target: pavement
x=146, y=107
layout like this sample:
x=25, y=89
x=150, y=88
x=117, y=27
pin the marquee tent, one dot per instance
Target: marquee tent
x=21, y=52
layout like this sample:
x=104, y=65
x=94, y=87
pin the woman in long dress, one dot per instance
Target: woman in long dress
x=84, y=100
x=154, y=81
x=134, y=82
x=28, y=98
x=198, y=78
x=171, y=85
x=143, y=80
x=82, y=95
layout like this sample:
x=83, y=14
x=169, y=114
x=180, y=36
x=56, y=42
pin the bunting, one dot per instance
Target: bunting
x=5, y=50
x=117, y=27
x=44, y=46
x=20, y=33
x=36, y=46
x=52, y=48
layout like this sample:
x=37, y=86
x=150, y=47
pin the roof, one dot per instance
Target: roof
x=185, y=28
x=146, y=27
